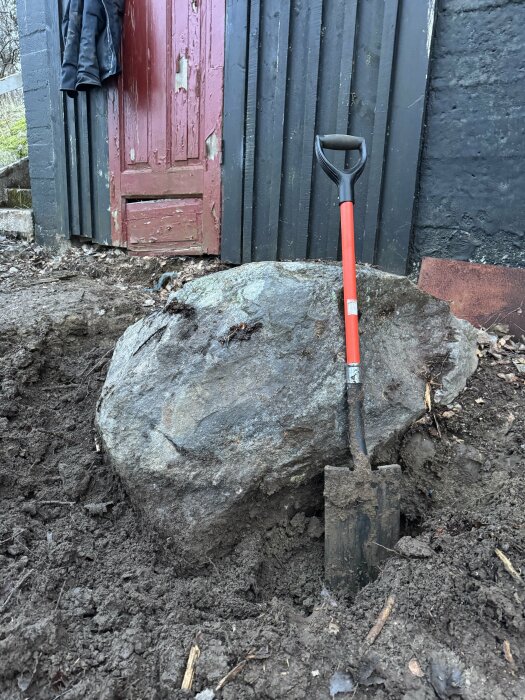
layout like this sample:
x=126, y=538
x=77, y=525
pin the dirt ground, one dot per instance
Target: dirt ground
x=91, y=605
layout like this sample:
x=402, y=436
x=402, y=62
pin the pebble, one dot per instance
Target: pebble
x=410, y=547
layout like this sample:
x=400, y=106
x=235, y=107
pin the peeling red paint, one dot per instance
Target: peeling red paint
x=165, y=124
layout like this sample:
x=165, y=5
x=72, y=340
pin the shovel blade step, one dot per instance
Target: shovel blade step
x=361, y=523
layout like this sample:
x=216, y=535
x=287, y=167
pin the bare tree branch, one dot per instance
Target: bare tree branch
x=9, y=41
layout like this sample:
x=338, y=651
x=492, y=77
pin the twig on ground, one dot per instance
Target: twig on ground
x=428, y=397
x=50, y=280
x=394, y=551
x=56, y=503
x=508, y=565
x=239, y=667
x=437, y=424
x=380, y=622
x=15, y=589
x=69, y=687
x=98, y=364
x=189, y=674
x=8, y=539
x=231, y=674
x=508, y=655
x=59, y=596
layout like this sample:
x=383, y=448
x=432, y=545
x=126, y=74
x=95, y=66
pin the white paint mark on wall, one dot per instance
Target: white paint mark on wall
x=181, y=76
x=132, y=155
x=212, y=146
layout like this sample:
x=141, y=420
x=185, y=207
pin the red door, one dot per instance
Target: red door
x=165, y=118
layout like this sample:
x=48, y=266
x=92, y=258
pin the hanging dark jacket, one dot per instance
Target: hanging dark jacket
x=91, y=31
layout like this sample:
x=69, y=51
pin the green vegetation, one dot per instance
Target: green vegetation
x=13, y=136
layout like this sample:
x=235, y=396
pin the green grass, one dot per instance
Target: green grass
x=13, y=135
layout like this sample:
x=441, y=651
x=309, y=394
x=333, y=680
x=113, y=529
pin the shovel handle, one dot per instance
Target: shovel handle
x=349, y=284
x=341, y=142
x=356, y=431
x=345, y=179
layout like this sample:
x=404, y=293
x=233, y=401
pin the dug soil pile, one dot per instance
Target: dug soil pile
x=92, y=606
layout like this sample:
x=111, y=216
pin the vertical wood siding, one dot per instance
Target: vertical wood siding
x=295, y=68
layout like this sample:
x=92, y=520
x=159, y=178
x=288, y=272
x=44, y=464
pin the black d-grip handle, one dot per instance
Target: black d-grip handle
x=344, y=179
x=341, y=142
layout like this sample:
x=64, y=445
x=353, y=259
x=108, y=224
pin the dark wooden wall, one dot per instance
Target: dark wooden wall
x=295, y=68
x=68, y=147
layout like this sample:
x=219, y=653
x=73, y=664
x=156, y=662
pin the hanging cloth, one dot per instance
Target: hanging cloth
x=91, y=32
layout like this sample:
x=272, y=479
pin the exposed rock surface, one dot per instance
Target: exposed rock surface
x=223, y=409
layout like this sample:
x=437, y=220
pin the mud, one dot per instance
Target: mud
x=92, y=606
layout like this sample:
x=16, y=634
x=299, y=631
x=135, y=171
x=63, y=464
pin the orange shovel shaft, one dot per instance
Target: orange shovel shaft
x=349, y=283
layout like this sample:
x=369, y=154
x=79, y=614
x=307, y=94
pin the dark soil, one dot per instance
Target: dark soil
x=92, y=607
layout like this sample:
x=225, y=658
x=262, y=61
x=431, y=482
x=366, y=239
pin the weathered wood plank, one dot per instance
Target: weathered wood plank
x=84, y=166
x=233, y=128
x=274, y=37
x=335, y=80
x=299, y=132
x=251, y=124
x=98, y=145
x=12, y=82
x=407, y=109
x=376, y=159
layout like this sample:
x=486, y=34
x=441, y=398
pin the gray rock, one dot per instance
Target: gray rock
x=410, y=547
x=341, y=683
x=206, y=694
x=446, y=675
x=221, y=411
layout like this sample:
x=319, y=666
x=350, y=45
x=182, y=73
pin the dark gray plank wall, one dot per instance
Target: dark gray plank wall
x=68, y=141
x=322, y=66
x=471, y=195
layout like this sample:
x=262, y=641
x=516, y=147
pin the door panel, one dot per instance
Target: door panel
x=162, y=226
x=165, y=128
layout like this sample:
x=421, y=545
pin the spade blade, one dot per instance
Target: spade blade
x=361, y=523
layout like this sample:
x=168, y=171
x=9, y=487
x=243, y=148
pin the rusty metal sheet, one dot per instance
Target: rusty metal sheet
x=482, y=294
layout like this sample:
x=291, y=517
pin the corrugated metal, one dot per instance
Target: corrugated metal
x=295, y=68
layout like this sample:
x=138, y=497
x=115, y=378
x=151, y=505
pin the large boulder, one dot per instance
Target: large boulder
x=221, y=411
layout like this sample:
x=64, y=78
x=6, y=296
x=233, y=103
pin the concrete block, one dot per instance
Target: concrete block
x=19, y=221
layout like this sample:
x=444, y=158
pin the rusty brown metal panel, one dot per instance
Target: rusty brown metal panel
x=482, y=294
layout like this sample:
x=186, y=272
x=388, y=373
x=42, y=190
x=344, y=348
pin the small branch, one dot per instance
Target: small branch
x=508, y=655
x=59, y=596
x=380, y=622
x=189, y=674
x=437, y=425
x=394, y=551
x=508, y=565
x=57, y=503
x=239, y=667
x=231, y=674
x=16, y=587
x=97, y=364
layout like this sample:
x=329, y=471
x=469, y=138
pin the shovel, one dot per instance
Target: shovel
x=361, y=504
